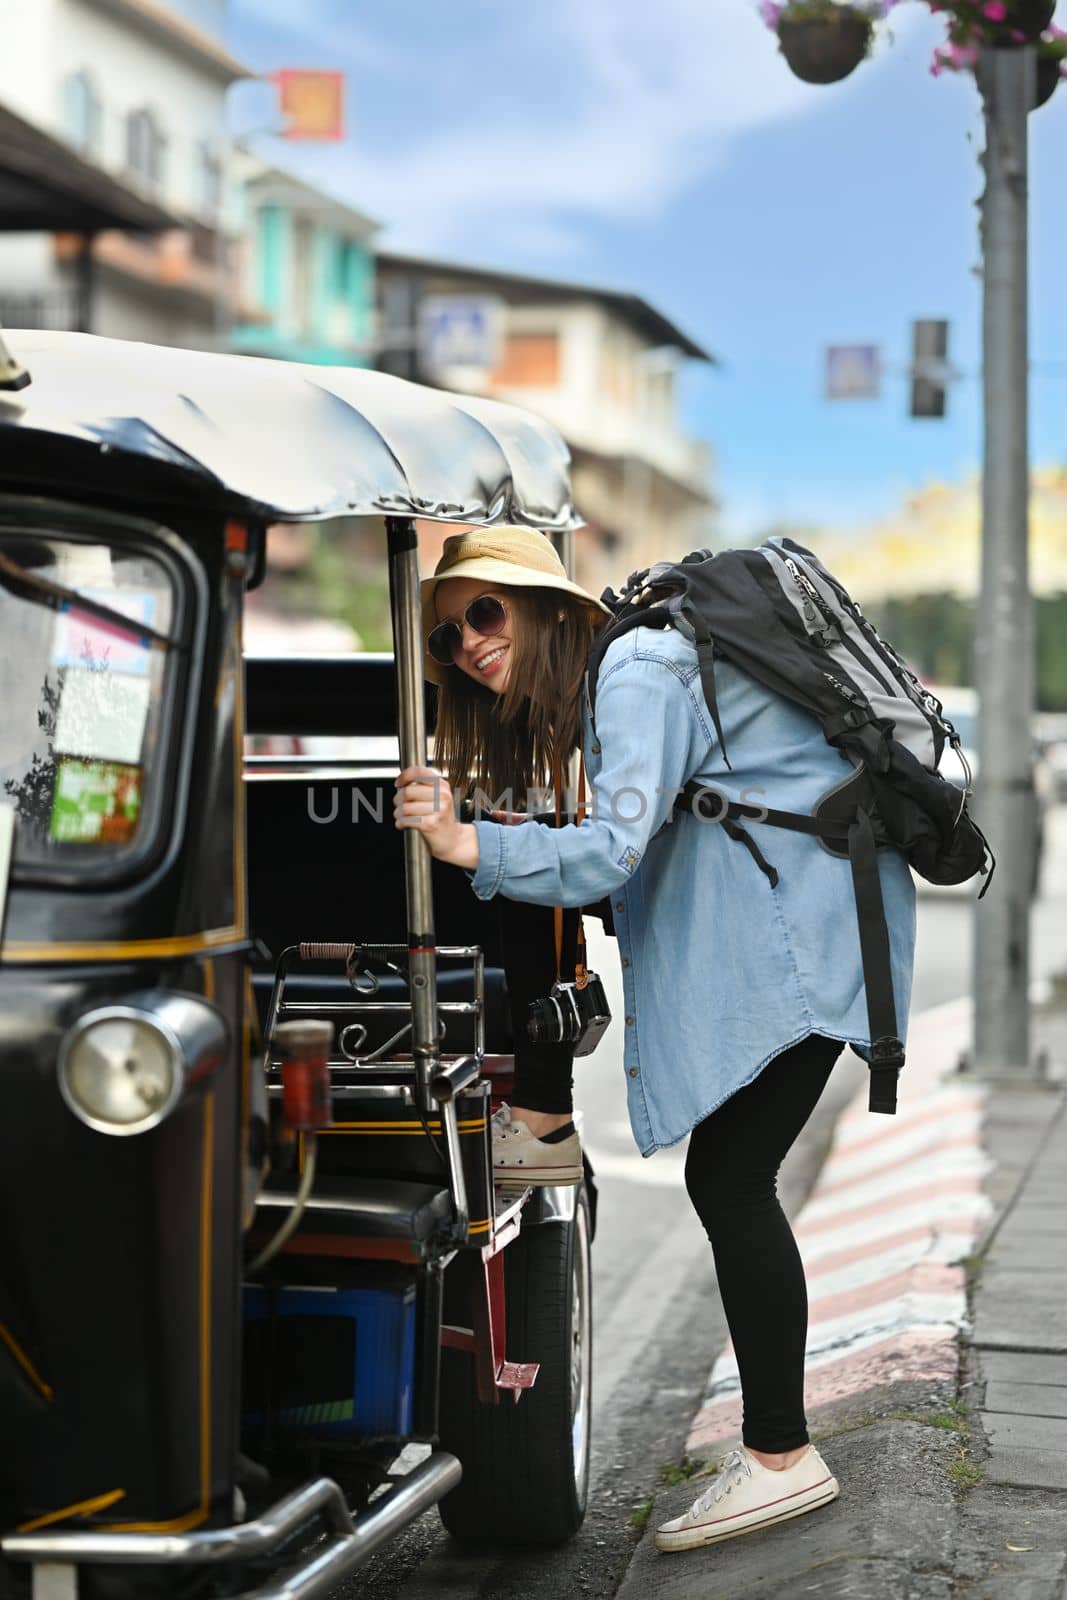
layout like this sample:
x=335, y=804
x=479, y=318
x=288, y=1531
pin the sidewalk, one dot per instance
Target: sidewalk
x=935, y=1245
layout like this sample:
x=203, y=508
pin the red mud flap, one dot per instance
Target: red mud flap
x=486, y=1340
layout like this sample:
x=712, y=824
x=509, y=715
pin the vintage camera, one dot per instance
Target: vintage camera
x=569, y=1015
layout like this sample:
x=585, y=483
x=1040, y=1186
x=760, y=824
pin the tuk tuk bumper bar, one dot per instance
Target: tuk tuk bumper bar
x=348, y=1543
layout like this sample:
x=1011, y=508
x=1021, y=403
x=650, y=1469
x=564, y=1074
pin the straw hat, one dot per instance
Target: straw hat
x=516, y=558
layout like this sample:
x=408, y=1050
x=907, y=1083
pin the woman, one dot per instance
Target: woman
x=739, y=993
x=510, y=675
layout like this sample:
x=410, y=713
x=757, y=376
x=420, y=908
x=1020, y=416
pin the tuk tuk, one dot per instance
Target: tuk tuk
x=251, y=1035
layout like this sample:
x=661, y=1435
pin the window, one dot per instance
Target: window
x=80, y=758
x=208, y=180
x=145, y=147
x=81, y=114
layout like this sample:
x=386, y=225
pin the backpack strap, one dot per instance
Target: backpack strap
x=641, y=617
x=735, y=831
x=705, y=647
x=887, y=1051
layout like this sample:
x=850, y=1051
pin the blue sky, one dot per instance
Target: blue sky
x=668, y=150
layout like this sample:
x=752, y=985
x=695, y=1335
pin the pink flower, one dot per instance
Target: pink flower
x=953, y=58
x=995, y=10
x=771, y=13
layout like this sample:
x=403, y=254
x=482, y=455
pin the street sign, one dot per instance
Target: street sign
x=930, y=371
x=313, y=103
x=853, y=372
x=459, y=331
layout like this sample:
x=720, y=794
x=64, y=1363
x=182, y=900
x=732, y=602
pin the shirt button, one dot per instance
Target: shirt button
x=633, y=1072
x=620, y=905
x=629, y=1022
x=596, y=749
x=625, y=961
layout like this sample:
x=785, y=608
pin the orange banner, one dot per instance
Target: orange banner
x=313, y=103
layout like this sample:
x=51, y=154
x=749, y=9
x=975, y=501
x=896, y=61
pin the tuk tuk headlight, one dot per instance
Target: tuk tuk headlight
x=123, y=1068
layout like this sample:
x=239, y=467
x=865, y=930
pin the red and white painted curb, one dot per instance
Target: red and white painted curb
x=897, y=1205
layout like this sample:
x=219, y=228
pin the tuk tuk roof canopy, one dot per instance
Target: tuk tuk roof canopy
x=279, y=440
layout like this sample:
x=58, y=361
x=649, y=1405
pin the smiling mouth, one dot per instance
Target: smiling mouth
x=486, y=662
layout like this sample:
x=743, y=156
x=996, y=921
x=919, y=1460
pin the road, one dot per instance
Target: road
x=656, y=1317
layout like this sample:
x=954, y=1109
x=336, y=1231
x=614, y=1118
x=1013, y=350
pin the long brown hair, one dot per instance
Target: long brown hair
x=512, y=741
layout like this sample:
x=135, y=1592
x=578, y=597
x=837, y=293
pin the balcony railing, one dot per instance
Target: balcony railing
x=54, y=308
x=195, y=261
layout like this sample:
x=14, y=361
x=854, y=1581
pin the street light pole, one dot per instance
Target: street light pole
x=1004, y=643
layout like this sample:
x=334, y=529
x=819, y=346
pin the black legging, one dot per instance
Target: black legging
x=731, y=1173
x=543, y=1072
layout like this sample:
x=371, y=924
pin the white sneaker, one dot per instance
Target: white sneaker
x=519, y=1159
x=745, y=1495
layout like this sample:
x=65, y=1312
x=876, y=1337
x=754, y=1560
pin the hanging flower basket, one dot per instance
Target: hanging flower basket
x=1004, y=24
x=1028, y=17
x=1051, y=60
x=1049, y=72
x=825, y=49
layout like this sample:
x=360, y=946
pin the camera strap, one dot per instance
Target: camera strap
x=581, y=972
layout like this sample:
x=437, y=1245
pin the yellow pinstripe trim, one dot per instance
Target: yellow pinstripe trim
x=207, y=1180
x=182, y=1524
x=248, y=1011
x=240, y=910
x=83, y=1508
x=391, y=1130
x=479, y=1227
x=22, y=1359
x=472, y=1126
x=182, y=944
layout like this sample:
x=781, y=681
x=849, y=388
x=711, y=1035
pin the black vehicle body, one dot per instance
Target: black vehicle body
x=191, y=1400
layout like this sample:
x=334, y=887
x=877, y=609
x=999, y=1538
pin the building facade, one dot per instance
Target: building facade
x=602, y=366
x=307, y=273
x=137, y=88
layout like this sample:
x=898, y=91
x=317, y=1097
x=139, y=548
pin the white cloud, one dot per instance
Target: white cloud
x=323, y=29
x=524, y=122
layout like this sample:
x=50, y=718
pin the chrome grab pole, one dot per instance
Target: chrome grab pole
x=411, y=714
x=406, y=607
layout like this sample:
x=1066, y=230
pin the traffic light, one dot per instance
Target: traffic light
x=930, y=371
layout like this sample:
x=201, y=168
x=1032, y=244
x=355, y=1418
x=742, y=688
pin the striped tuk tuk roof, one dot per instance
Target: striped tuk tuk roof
x=278, y=440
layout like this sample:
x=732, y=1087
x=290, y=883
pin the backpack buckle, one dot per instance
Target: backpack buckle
x=887, y=1052
x=887, y=1058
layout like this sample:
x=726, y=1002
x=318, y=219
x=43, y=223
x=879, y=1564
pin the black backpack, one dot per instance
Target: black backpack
x=779, y=615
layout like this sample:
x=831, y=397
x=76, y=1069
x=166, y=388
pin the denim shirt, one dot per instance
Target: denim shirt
x=721, y=971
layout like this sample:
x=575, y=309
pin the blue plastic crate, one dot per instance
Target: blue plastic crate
x=333, y=1363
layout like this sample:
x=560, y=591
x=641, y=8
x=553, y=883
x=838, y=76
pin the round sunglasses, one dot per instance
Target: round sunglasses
x=486, y=615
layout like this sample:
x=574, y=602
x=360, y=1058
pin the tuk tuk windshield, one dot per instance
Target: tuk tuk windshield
x=82, y=693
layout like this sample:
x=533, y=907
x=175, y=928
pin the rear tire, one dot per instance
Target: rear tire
x=526, y=1466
